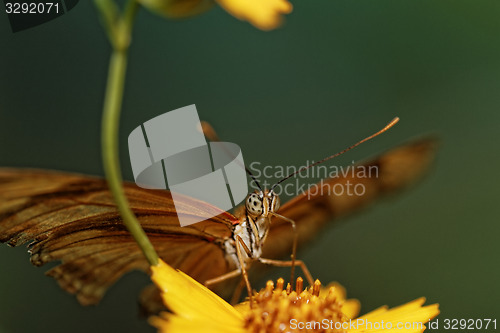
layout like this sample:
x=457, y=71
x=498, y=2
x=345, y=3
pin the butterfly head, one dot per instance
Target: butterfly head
x=261, y=203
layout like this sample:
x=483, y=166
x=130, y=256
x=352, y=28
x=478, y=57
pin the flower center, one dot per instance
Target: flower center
x=287, y=310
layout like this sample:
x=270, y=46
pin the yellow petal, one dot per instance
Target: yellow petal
x=351, y=308
x=338, y=290
x=410, y=314
x=242, y=307
x=169, y=323
x=193, y=303
x=263, y=14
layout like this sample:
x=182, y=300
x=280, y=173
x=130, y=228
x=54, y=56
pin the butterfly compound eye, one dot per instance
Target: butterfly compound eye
x=254, y=204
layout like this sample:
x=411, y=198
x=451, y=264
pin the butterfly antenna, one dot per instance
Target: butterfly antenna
x=254, y=179
x=389, y=125
x=210, y=133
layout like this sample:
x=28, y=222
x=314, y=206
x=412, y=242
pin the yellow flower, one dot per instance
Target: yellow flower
x=277, y=309
x=263, y=14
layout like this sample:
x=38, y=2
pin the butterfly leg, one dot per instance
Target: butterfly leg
x=288, y=263
x=237, y=292
x=222, y=278
x=240, y=242
x=294, y=246
x=242, y=270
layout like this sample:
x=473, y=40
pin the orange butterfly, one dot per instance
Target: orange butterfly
x=72, y=218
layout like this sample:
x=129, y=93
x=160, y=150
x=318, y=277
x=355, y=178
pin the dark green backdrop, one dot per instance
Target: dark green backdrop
x=335, y=72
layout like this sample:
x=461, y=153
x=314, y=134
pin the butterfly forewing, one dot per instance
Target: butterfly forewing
x=72, y=219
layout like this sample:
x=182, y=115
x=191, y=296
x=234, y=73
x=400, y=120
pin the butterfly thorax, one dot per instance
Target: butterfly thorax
x=253, y=227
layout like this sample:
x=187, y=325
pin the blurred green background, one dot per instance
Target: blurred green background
x=334, y=73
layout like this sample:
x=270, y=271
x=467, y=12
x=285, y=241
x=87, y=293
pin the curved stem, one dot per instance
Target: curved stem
x=110, y=125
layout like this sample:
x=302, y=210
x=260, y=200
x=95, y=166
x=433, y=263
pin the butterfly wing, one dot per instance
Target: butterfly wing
x=72, y=219
x=395, y=170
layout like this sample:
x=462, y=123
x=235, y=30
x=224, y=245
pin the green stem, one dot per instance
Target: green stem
x=110, y=125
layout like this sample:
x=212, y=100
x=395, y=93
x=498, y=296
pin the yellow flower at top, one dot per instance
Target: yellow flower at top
x=277, y=309
x=263, y=14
